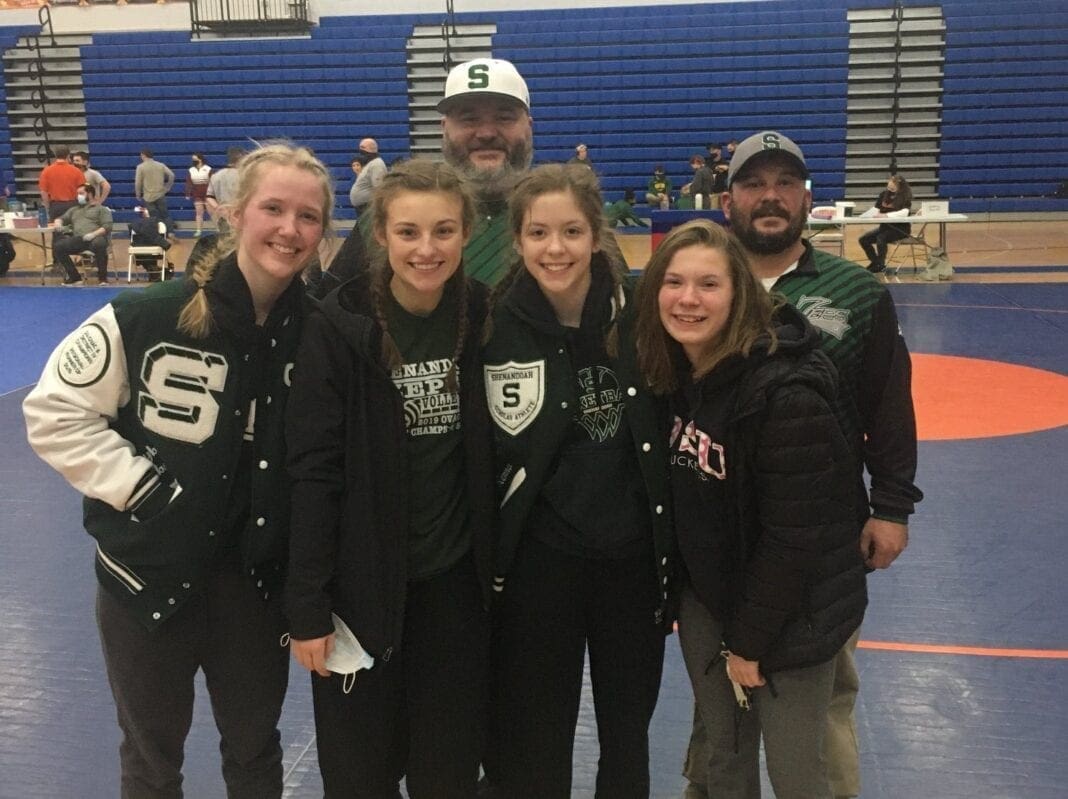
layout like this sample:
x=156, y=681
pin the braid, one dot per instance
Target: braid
x=195, y=318
x=451, y=381
x=391, y=356
x=498, y=291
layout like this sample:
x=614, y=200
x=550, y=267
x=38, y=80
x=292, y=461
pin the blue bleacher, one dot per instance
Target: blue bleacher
x=638, y=84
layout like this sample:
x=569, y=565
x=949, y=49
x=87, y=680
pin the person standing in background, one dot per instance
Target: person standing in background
x=59, y=183
x=222, y=187
x=196, y=187
x=103, y=188
x=152, y=181
x=372, y=172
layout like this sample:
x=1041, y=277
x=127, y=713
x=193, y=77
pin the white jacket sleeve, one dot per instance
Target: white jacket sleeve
x=68, y=415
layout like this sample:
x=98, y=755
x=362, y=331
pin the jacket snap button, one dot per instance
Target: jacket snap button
x=263, y=464
x=260, y=522
x=156, y=615
x=659, y=509
x=632, y=392
x=646, y=446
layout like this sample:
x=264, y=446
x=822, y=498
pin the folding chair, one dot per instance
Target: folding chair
x=86, y=259
x=914, y=242
x=158, y=254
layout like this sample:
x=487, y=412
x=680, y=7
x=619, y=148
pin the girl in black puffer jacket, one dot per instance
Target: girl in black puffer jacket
x=766, y=508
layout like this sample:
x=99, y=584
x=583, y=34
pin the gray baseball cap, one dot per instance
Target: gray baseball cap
x=770, y=142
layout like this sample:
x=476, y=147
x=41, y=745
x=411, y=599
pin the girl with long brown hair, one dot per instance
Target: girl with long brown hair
x=584, y=560
x=766, y=507
x=393, y=504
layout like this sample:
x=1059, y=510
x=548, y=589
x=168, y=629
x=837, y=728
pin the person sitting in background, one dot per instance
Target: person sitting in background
x=145, y=232
x=659, y=190
x=621, y=212
x=718, y=165
x=703, y=181
x=896, y=197
x=84, y=228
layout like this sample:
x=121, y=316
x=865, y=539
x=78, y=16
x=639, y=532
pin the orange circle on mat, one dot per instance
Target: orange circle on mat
x=974, y=398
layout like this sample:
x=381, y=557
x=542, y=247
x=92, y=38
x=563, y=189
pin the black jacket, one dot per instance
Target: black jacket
x=349, y=466
x=531, y=355
x=788, y=580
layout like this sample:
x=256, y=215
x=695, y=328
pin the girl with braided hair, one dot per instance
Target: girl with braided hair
x=393, y=504
x=584, y=558
x=165, y=409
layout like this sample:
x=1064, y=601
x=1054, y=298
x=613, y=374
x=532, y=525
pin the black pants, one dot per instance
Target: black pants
x=874, y=242
x=233, y=635
x=419, y=714
x=554, y=606
x=63, y=247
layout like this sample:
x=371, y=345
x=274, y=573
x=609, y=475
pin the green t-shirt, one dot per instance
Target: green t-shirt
x=439, y=534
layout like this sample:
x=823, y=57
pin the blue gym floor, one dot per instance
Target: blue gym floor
x=986, y=568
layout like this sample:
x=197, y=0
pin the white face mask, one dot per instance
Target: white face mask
x=348, y=656
x=82, y=199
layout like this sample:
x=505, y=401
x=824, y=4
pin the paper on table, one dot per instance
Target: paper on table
x=873, y=211
x=897, y=214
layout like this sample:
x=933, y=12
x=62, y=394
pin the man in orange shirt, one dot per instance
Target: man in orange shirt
x=59, y=183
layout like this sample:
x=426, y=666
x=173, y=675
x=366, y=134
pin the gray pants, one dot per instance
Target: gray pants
x=233, y=635
x=792, y=723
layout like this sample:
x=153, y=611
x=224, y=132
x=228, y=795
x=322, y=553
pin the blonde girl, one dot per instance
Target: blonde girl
x=165, y=409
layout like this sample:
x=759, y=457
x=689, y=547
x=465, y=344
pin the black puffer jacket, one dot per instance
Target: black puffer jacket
x=765, y=479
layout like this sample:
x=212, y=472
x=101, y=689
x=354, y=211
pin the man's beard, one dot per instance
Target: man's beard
x=491, y=185
x=769, y=243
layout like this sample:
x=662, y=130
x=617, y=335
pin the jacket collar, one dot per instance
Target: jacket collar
x=604, y=301
x=231, y=305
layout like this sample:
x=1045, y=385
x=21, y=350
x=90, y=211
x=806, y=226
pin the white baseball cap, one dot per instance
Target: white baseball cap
x=484, y=76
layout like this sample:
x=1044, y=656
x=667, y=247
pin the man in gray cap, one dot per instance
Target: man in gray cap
x=767, y=205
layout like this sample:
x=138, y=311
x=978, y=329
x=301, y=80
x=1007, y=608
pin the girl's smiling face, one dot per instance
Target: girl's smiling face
x=280, y=226
x=424, y=238
x=557, y=244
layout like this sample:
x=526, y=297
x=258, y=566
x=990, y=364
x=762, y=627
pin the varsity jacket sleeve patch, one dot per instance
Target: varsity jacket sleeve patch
x=69, y=414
